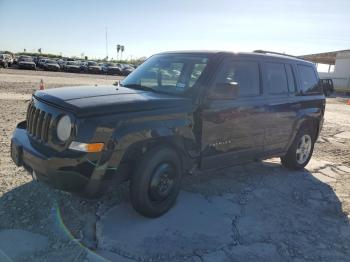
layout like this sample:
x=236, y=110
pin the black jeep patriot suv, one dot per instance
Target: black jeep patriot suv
x=177, y=111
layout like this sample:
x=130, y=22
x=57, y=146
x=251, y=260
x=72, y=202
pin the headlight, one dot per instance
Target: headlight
x=64, y=128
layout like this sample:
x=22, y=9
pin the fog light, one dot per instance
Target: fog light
x=90, y=148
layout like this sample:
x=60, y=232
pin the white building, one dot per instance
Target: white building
x=338, y=67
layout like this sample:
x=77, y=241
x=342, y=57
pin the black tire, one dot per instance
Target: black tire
x=5, y=65
x=290, y=160
x=147, y=194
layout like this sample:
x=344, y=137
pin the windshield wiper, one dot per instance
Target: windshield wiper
x=139, y=87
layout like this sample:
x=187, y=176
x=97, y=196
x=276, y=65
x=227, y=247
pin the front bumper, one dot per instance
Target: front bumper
x=68, y=171
x=73, y=69
x=26, y=66
x=52, y=68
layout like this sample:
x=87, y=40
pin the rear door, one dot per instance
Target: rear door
x=232, y=126
x=280, y=88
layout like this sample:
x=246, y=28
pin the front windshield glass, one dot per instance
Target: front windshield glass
x=50, y=62
x=168, y=73
x=92, y=64
x=26, y=58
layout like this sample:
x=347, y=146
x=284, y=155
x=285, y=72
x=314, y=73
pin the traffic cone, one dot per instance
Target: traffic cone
x=41, y=86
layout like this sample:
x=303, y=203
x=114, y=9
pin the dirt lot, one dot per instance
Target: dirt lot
x=255, y=212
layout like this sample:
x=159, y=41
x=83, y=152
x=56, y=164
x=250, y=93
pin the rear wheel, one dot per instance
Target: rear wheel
x=300, y=152
x=156, y=182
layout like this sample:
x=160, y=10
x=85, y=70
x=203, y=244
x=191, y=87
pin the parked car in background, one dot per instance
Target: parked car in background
x=111, y=69
x=51, y=65
x=4, y=62
x=91, y=67
x=72, y=66
x=9, y=59
x=327, y=85
x=61, y=63
x=83, y=66
x=127, y=70
x=41, y=62
x=222, y=109
x=26, y=62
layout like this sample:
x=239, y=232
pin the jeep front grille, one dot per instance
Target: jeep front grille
x=38, y=123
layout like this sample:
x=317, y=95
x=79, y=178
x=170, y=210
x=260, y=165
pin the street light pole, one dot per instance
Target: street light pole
x=106, y=44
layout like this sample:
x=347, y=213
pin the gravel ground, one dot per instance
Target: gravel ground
x=258, y=212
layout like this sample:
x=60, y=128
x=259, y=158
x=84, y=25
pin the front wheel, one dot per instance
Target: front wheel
x=300, y=152
x=156, y=182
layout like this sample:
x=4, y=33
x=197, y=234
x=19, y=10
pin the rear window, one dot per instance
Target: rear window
x=276, y=78
x=309, y=81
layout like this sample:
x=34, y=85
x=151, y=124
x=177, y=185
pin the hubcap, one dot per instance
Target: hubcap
x=162, y=182
x=303, y=149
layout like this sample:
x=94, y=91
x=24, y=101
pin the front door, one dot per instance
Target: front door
x=232, y=124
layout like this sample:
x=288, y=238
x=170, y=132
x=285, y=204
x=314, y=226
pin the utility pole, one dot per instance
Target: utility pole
x=106, y=44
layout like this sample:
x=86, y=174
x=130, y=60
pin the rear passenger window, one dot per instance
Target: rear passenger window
x=245, y=74
x=290, y=78
x=309, y=83
x=276, y=78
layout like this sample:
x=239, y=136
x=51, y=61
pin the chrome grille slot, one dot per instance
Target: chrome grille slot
x=30, y=117
x=46, y=125
x=35, y=121
x=38, y=123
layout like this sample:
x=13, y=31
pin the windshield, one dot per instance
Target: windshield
x=25, y=58
x=92, y=64
x=168, y=73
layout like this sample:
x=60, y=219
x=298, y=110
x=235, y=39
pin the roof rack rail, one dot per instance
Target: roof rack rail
x=275, y=53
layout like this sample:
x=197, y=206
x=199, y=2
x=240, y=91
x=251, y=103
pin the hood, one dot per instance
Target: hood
x=100, y=100
x=74, y=66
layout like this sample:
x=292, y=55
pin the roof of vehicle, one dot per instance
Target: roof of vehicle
x=257, y=53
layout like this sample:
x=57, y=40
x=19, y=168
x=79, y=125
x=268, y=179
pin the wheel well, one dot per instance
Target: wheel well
x=314, y=124
x=137, y=150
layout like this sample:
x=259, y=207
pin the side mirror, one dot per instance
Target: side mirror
x=227, y=90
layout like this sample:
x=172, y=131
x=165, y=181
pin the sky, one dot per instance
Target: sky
x=147, y=27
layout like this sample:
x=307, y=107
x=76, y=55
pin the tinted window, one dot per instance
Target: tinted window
x=309, y=83
x=276, y=78
x=244, y=73
x=291, y=79
x=196, y=73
